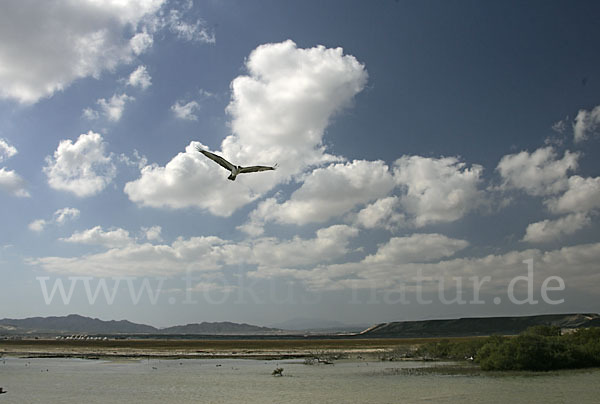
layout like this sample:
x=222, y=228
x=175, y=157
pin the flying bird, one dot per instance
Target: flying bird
x=235, y=170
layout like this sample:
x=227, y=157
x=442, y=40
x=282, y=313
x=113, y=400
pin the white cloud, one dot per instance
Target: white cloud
x=38, y=225
x=134, y=259
x=330, y=244
x=205, y=93
x=97, y=236
x=279, y=114
x=136, y=160
x=313, y=261
x=190, y=31
x=152, y=233
x=539, y=173
x=190, y=179
x=140, y=78
x=126, y=256
x=587, y=123
x=60, y=217
x=416, y=248
x=186, y=111
x=44, y=49
x=212, y=287
x=91, y=114
x=437, y=190
x=140, y=42
x=560, y=126
x=552, y=230
x=281, y=109
x=329, y=192
x=12, y=183
x=113, y=108
x=577, y=265
x=582, y=195
x=6, y=150
x=382, y=213
x=81, y=167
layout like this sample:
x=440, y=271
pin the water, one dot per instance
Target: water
x=250, y=381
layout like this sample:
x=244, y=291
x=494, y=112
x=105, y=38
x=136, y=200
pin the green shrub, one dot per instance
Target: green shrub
x=542, y=348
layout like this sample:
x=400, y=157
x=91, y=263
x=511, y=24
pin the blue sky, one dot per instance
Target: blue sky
x=426, y=151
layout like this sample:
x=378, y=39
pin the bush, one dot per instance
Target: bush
x=541, y=348
x=445, y=349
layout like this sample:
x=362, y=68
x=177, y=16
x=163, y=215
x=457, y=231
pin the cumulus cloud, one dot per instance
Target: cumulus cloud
x=152, y=233
x=12, y=183
x=81, y=167
x=112, y=109
x=587, y=123
x=90, y=113
x=416, y=248
x=382, y=213
x=45, y=49
x=437, y=189
x=328, y=192
x=97, y=236
x=64, y=214
x=186, y=111
x=140, y=78
x=136, y=259
x=136, y=160
x=329, y=244
x=279, y=112
x=392, y=271
x=140, y=42
x=6, y=150
x=190, y=179
x=553, y=230
x=281, y=108
x=37, y=225
x=539, y=173
x=60, y=217
x=582, y=195
x=127, y=256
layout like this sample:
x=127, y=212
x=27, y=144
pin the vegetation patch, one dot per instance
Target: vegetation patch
x=539, y=348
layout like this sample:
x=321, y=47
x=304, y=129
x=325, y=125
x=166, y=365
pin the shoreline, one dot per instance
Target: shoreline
x=274, y=349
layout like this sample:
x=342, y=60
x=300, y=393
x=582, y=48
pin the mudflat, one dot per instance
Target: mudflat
x=206, y=348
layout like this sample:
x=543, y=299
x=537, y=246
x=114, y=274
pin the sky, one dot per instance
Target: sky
x=435, y=159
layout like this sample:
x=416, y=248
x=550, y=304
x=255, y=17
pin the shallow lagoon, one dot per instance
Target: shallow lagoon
x=51, y=380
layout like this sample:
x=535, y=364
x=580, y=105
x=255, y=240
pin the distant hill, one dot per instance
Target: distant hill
x=319, y=325
x=473, y=326
x=73, y=324
x=220, y=328
x=76, y=324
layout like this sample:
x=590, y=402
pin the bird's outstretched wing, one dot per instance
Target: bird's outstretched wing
x=217, y=159
x=253, y=169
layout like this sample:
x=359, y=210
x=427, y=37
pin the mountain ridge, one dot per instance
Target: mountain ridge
x=467, y=326
x=474, y=326
x=77, y=324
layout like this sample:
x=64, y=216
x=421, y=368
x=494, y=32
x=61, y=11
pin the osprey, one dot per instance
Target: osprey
x=235, y=170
